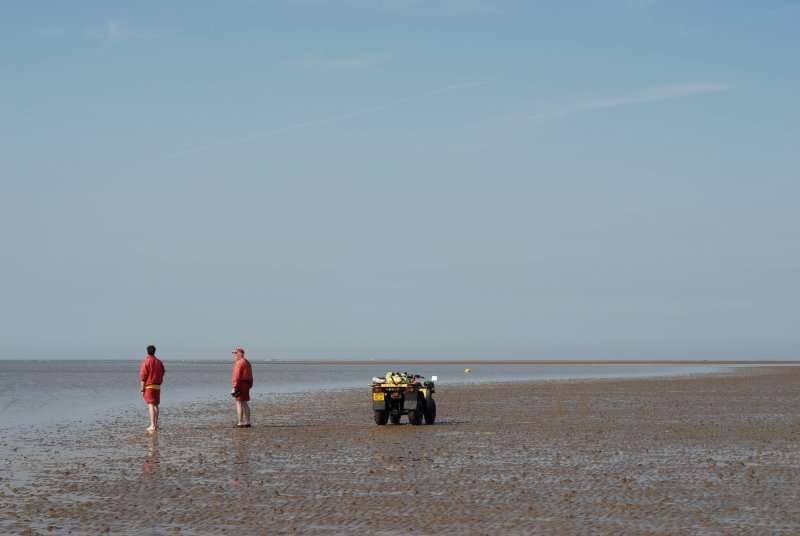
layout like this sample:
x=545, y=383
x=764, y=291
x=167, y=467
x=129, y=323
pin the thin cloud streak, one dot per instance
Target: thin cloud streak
x=116, y=32
x=674, y=91
x=417, y=7
x=643, y=4
x=111, y=34
x=696, y=31
x=309, y=124
x=355, y=62
x=50, y=32
x=521, y=123
x=777, y=11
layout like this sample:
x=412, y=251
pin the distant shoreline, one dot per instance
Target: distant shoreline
x=534, y=362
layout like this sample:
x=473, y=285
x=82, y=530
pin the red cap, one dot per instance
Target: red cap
x=237, y=350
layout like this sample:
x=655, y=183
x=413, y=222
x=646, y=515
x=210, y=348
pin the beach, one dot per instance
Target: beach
x=702, y=454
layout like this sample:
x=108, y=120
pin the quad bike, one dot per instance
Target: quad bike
x=397, y=394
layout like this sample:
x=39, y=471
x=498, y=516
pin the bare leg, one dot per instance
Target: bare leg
x=239, y=412
x=245, y=413
x=153, y=410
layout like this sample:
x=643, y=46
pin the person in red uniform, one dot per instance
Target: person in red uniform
x=151, y=374
x=242, y=382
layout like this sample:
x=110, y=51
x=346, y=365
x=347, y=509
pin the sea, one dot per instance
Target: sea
x=37, y=393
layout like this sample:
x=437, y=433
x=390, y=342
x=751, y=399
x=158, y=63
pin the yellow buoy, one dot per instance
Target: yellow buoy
x=467, y=370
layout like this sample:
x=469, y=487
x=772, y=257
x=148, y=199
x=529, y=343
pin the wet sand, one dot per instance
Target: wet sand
x=714, y=454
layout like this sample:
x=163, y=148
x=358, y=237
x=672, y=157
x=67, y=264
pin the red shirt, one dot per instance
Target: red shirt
x=152, y=371
x=242, y=373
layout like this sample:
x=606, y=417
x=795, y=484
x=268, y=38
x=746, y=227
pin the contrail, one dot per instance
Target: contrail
x=308, y=124
x=674, y=91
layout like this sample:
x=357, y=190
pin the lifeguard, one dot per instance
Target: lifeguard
x=151, y=374
x=242, y=382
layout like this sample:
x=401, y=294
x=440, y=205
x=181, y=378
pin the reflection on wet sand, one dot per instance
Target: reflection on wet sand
x=150, y=466
x=240, y=466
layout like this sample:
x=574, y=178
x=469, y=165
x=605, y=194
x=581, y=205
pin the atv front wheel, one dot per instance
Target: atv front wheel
x=430, y=412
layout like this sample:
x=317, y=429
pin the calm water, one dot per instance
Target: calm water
x=39, y=393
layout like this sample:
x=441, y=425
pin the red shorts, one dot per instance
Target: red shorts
x=152, y=396
x=244, y=393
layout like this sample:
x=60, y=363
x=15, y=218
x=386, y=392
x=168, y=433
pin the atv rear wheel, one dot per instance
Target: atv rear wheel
x=430, y=412
x=381, y=416
x=415, y=415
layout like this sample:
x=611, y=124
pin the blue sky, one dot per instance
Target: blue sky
x=400, y=179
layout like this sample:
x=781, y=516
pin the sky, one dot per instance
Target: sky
x=400, y=179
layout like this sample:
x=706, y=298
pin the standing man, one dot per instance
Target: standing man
x=242, y=382
x=151, y=374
